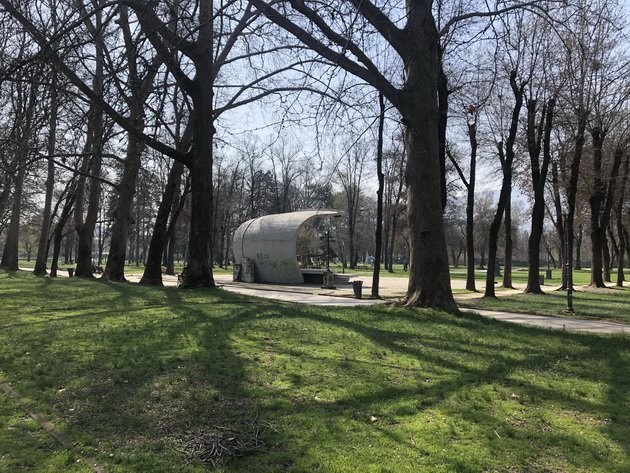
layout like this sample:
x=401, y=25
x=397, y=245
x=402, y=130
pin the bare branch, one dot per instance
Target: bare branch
x=480, y=14
x=369, y=74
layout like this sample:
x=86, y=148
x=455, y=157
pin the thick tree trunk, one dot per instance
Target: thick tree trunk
x=493, y=239
x=85, y=231
x=10, y=252
x=429, y=279
x=152, y=275
x=199, y=272
x=597, y=260
x=533, y=248
x=141, y=88
x=115, y=268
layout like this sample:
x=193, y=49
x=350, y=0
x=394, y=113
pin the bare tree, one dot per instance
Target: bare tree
x=140, y=84
x=538, y=139
x=18, y=142
x=378, y=237
x=506, y=155
x=350, y=175
x=42, y=247
x=472, y=112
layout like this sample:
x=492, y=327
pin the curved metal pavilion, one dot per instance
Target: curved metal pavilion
x=270, y=242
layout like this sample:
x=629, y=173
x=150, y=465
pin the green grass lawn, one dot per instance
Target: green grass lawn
x=519, y=275
x=165, y=380
x=611, y=304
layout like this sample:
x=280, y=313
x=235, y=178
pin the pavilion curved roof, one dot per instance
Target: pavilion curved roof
x=270, y=242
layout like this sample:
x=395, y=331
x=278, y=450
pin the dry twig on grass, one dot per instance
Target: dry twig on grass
x=216, y=442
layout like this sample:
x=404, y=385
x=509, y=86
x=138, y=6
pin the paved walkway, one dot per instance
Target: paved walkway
x=559, y=323
x=343, y=296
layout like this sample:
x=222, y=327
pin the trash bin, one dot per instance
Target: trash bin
x=70, y=272
x=357, y=287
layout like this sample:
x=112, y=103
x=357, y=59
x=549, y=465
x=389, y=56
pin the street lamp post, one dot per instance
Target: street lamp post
x=327, y=250
x=569, y=257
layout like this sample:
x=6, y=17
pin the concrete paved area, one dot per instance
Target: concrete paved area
x=342, y=296
x=559, y=323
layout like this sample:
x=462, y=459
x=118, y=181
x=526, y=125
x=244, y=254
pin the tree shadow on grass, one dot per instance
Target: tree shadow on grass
x=449, y=392
x=520, y=377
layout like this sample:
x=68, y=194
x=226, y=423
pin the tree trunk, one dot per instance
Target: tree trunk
x=85, y=231
x=429, y=279
x=614, y=246
x=115, y=268
x=572, y=188
x=199, y=272
x=443, y=93
x=10, y=252
x=623, y=242
x=539, y=178
x=578, y=247
x=470, y=209
x=601, y=205
x=559, y=223
x=507, y=264
x=42, y=246
x=4, y=195
x=507, y=160
x=607, y=260
x=379, y=201
x=596, y=202
x=66, y=212
x=141, y=88
x=152, y=275
x=85, y=225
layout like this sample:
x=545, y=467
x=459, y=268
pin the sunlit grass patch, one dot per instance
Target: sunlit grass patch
x=157, y=379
